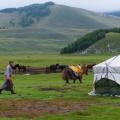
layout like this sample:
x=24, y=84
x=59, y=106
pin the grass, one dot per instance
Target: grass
x=106, y=45
x=37, y=39
x=30, y=88
x=51, y=33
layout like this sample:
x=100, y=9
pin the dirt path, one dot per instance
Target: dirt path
x=32, y=108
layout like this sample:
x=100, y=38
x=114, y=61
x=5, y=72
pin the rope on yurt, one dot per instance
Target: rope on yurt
x=108, y=71
x=107, y=65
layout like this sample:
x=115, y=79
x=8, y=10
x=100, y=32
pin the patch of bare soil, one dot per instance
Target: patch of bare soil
x=54, y=89
x=32, y=108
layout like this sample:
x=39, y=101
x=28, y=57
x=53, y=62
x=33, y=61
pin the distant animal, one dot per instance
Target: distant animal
x=62, y=67
x=20, y=68
x=53, y=68
x=15, y=68
x=68, y=74
x=90, y=66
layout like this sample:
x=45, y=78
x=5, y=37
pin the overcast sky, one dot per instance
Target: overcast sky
x=94, y=5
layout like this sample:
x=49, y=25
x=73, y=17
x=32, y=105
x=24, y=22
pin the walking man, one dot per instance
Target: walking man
x=8, y=84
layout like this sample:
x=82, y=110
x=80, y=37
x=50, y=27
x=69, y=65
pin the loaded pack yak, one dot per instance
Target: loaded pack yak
x=69, y=74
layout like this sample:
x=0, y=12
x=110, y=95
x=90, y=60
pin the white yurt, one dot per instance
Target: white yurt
x=107, y=77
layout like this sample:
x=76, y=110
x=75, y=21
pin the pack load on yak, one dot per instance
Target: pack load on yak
x=76, y=70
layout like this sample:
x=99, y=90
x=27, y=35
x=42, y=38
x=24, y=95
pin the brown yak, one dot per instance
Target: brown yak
x=68, y=74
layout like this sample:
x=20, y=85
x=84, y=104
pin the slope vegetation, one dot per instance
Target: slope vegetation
x=81, y=44
x=109, y=44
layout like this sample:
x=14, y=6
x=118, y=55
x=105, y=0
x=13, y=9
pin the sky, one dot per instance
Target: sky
x=93, y=5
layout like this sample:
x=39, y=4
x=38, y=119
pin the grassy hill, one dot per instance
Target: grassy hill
x=47, y=27
x=37, y=40
x=51, y=15
x=109, y=44
x=82, y=45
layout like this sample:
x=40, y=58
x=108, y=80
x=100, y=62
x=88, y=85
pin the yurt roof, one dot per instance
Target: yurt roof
x=114, y=61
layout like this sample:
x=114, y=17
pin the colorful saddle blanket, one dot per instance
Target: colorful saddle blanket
x=76, y=69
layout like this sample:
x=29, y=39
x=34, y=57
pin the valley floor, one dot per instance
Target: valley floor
x=45, y=97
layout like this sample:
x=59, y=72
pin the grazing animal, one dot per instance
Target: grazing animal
x=62, y=67
x=90, y=66
x=20, y=68
x=53, y=68
x=68, y=74
x=15, y=68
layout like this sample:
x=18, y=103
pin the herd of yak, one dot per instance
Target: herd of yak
x=67, y=73
x=17, y=68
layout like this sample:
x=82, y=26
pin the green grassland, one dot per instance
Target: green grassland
x=109, y=44
x=29, y=88
x=31, y=29
x=37, y=46
x=37, y=40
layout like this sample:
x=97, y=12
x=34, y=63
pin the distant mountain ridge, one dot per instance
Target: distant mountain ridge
x=114, y=13
x=28, y=13
x=51, y=15
x=28, y=8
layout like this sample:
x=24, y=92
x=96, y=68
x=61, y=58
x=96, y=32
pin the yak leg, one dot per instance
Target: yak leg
x=74, y=81
x=67, y=82
x=80, y=79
